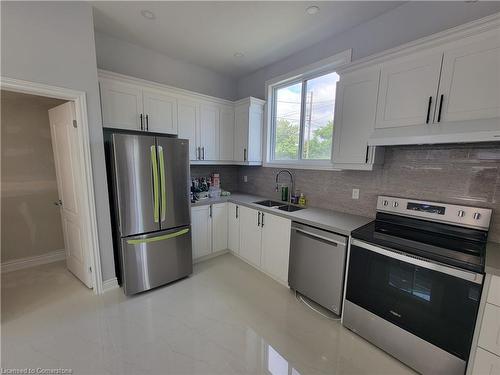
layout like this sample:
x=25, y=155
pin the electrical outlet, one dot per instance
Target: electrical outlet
x=245, y=178
x=355, y=193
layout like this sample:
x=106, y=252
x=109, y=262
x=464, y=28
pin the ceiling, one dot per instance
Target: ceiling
x=209, y=33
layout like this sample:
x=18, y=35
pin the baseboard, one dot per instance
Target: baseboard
x=210, y=256
x=22, y=263
x=109, y=284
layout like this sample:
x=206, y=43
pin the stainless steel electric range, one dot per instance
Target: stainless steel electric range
x=414, y=281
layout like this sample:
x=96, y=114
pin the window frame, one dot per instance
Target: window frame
x=320, y=68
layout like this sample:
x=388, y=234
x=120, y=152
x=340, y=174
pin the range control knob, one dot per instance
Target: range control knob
x=395, y=204
x=461, y=213
x=476, y=216
x=385, y=203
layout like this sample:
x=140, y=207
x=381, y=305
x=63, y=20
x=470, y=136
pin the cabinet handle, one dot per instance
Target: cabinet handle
x=429, y=110
x=258, y=220
x=142, y=126
x=237, y=207
x=210, y=210
x=147, y=123
x=262, y=221
x=440, y=107
x=244, y=154
x=203, y=150
x=367, y=150
x=198, y=153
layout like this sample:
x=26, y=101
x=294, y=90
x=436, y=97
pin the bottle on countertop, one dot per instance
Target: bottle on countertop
x=302, y=200
x=295, y=197
x=284, y=193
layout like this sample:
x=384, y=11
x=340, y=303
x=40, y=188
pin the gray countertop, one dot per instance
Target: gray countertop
x=492, y=264
x=333, y=221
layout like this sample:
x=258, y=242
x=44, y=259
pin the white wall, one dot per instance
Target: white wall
x=403, y=24
x=133, y=60
x=53, y=43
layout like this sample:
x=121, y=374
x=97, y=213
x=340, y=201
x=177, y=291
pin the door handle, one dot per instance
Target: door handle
x=258, y=220
x=429, y=110
x=58, y=203
x=163, y=186
x=158, y=238
x=244, y=154
x=147, y=123
x=156, y=198
x=237, y=207
x=142, y=126
x=440, y=107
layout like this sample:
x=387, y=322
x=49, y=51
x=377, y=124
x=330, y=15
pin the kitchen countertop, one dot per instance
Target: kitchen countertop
x=492, y=264
x=334, y=221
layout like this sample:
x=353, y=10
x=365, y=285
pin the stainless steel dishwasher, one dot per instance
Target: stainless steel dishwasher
x=317, y=265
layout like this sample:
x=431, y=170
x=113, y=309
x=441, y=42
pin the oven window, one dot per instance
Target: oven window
x=437, y=307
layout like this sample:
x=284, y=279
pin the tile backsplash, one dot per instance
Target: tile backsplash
x=467, y=174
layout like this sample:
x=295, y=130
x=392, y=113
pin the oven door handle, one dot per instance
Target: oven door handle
x=476, y=278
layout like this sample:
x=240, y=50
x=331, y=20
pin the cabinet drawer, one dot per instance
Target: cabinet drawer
x=489, y=338
x=494, y=292
x=486, y=363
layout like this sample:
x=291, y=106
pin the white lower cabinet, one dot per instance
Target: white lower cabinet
x=486, y=363
x=209, y=229
x=275, y=246
x=233, y=227
x=250, y=235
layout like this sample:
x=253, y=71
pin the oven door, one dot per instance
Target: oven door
x=434, y=302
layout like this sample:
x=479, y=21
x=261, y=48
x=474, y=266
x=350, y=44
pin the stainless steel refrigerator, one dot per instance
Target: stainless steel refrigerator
x=150, y=194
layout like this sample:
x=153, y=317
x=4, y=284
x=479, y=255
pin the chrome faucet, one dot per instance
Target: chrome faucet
x=291, y=180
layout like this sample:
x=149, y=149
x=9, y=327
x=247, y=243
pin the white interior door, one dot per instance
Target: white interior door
x=69, y=170
x=160, y=112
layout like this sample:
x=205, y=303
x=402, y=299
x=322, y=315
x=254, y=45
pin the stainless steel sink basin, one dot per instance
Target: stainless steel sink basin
x=290, y=208
x=269, y=203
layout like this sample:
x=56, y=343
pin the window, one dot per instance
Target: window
x=302, y=119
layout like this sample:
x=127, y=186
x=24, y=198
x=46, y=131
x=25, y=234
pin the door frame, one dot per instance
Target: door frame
x=89, y=212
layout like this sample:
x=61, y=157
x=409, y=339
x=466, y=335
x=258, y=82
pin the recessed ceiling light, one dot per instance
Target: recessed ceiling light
x=148, y=14
x=239, y=54
x=313, y=9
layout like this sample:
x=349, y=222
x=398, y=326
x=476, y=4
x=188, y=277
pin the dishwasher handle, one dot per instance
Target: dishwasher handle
x=315, y=235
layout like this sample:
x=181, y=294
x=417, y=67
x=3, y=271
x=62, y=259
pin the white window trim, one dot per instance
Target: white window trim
x=318, y=68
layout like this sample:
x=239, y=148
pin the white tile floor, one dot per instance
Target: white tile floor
x=225, y=319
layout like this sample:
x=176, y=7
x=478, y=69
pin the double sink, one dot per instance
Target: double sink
x=279, y=205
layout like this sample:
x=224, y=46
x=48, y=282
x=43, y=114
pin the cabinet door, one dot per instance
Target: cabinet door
x=202, y=231
x=355, y=111
x=187, y=114
x=255, y=121
x=486, y=363
x=226, y=134
x=470, y=81
x=121, y=105
x=405, y=88
x=209, y=132
x=219, y=227
x=241, y=133
x=250, y=235
x=233, y=220
x=489, y=337
x=276, y=245
x=160, y=111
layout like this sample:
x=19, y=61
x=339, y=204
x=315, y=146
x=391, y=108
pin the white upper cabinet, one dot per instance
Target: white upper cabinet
x=121, y=105
x=160, y=112
x=226, y=144
x=249, y=116
x=470, y=79
x=408, y=90
x=187, y=115
x=209, y=131
x=355, y=111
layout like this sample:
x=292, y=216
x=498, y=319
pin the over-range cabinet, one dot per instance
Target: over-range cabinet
x=148, y=185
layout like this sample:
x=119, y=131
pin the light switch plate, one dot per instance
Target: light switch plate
x=355, y=193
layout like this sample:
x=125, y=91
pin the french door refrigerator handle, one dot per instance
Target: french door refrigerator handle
x=163, y=186
x=156, y=198
x=158, y=238
x=462, y=274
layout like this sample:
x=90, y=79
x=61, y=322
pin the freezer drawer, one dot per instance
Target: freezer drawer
x=156, y=259
x=317, y=265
